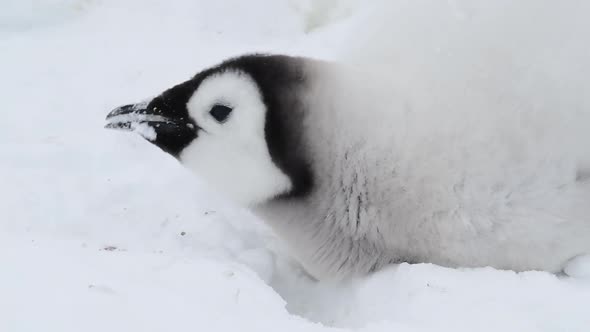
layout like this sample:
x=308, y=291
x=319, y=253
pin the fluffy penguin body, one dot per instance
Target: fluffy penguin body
x=354, y=172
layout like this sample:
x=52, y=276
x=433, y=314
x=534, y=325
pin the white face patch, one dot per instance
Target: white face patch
x=232, y=155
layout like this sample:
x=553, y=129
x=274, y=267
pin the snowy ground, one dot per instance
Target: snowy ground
x=102, y=232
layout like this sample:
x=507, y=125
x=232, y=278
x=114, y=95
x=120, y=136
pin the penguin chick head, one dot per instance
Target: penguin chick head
x=224, y=125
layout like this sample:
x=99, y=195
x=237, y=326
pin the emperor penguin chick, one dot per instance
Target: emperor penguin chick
x=355, y=173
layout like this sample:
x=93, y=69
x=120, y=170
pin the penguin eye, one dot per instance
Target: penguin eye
x=220, y=112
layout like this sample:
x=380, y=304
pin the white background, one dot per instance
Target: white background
x=100, y=231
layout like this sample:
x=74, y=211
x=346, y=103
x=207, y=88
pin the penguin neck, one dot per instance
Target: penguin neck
x=315, y=238
x=331, y=229
x=326, y=228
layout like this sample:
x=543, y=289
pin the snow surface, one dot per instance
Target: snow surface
x=100, y=231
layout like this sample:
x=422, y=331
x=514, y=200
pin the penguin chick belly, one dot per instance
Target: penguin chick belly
x=362, y=224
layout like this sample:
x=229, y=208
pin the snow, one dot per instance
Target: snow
x=100, y=231
x=578, y=267
x=145, y=131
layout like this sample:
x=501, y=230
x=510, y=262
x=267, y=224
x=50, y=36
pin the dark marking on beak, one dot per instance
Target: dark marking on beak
x=126, y=117
x=169, y=129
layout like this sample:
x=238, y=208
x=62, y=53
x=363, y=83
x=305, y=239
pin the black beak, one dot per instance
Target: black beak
x=130, y=117
x=122, y=117
x=171, y=130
